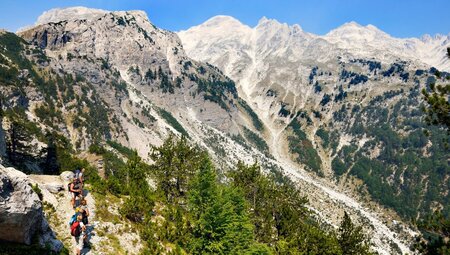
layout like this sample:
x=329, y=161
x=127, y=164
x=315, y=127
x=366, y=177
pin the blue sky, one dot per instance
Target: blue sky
x=400, y=18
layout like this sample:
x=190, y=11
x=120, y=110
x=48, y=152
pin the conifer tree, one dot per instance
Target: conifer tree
x=278, y=213
x=140, y=202
x=51, y=159
x=352, y=238
x=435, y=237
x=175, y=164
x=18, y=143
x=221, y=224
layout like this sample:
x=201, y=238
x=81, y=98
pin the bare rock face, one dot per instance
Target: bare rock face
x=122, y=51
x=20, y=209
x=2, y=142
x=21, y=215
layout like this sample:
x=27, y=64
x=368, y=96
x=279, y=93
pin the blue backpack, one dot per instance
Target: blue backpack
x=73, y=219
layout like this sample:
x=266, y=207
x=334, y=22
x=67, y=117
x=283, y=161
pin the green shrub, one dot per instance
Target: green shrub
x=256, y=140
x=97, y=149
x=122, y=149
x=257, y=123
x=37, y=190
x=172, y=121
x=324, y=135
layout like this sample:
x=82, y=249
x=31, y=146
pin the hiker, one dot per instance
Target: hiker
x=76, y=189
x=84, y=211
x=78, y=231
x=79, y=175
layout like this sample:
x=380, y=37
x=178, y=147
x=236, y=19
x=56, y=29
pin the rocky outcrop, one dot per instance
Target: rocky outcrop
x=21, y=215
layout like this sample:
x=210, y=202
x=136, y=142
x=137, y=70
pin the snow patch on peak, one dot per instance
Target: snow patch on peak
x=71, y=13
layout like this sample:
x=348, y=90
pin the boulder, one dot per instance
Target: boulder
x=67, y=176
x=21, y=215
x=49, y=186
x=21, y=209
x=54, y=187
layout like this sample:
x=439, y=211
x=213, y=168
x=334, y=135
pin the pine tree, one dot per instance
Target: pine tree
x=352, y=238
x=149, y=75
x=18, y=144
x=278, y=213
x=175, y=164
x=140, y=203
x=221, y=224
x=51, y=160
x=438, y=110
x=435, y=237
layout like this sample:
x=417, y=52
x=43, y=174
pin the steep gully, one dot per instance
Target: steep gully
x=381, y=235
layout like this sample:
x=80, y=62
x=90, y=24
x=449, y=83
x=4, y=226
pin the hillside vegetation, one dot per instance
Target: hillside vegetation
x=181, y=206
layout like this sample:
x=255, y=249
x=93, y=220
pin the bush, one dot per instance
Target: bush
x=256, y=140
x=257, y=123
x=172, y=121
x=37, y=190
x=96, y=149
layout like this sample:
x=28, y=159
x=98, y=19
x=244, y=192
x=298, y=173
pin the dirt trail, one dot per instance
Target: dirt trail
x=59, y=219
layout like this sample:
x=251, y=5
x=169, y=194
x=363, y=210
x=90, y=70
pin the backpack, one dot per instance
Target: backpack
x=75, y=229
x=73, y=219
x=77, y=173
x=76, y=185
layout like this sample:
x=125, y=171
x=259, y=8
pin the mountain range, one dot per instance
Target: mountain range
x=339, y=114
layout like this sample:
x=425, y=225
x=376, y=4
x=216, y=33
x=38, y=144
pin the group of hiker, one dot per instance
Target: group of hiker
x=79, y=221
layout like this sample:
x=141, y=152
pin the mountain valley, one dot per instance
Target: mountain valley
x=339, y=115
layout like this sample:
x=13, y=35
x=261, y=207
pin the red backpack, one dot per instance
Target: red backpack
x=75, y=229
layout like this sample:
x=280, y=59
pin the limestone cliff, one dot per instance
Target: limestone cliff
x=21, y=214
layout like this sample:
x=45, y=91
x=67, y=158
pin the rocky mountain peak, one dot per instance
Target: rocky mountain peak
x=444, y=39
x=354, y=31
x=222, y=20
x=223, y=26
x=134, y=64
x=59, y=28
x=71, y=13
x=270, y=24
